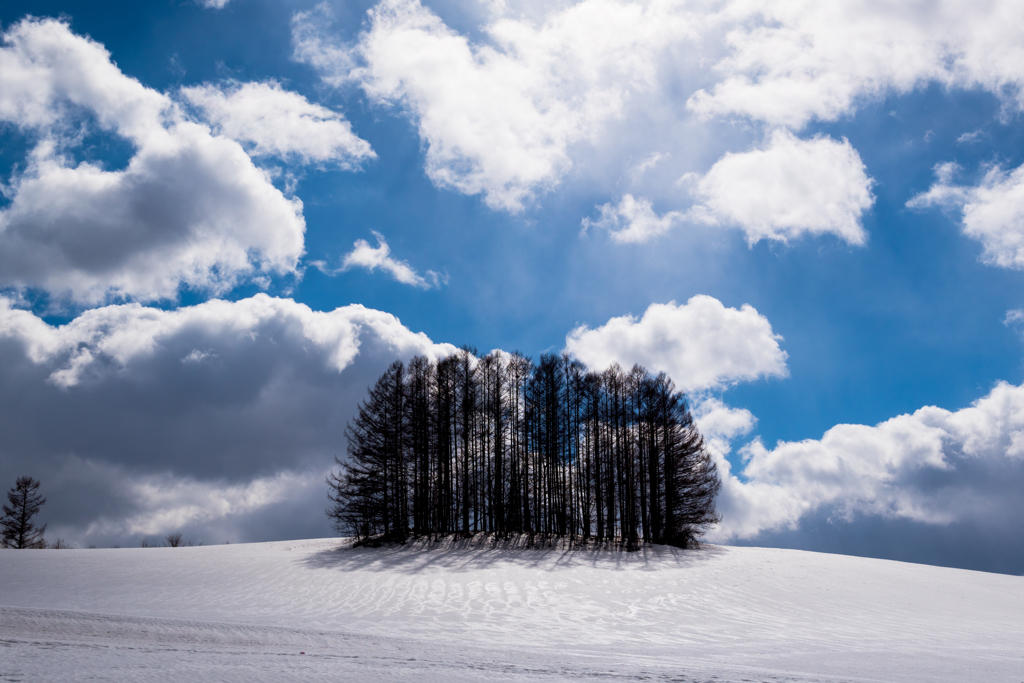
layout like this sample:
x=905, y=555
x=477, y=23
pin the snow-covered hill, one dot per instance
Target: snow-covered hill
x=246, y=612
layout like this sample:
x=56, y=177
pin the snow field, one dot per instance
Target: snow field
x=245, y=612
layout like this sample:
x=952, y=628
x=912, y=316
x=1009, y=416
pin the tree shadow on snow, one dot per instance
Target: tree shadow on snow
x=455, y=554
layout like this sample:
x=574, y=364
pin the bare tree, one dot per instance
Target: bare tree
x=18, y=531
x=173, y=540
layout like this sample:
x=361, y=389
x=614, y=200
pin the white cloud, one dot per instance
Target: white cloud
x=633, y=220
x=165, y=504
x=189, y=207
x=46, y=72
x=789, y=63
x=993, y=210
x=499, y=118
x=716, y=420
x=197, y=356
x=214, y=4
x=934, y=467
x=787, y=189
x=372, y=258
x=701, y=344
x=119, y=335
x=720, y=425
x=273, y=121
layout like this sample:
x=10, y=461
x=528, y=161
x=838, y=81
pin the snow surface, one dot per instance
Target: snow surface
x=246, y=612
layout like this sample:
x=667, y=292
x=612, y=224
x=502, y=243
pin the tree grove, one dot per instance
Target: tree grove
x=502, y=445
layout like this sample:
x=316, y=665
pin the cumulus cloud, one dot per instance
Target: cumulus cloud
x=190, y=207
x=505, y=111
x=992, y=210
x=160, y=504
x=721, y=424
x=787, y=189
x=716, y=420
x=499, y=117
x=784, y=190
x=46, y=72
x=633, y=220
x=214, y=4
x=372, y=258
x=117, y=336
x=272, y=121
x=94, y=502
x=207, y=416
x=789, y=63
x=934, y=467
x=702, y=344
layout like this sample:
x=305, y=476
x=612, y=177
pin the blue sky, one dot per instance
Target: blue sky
x=535, y=168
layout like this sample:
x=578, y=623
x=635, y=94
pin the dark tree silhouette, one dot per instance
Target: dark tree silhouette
x=369, y=494
x=18, y=531
x=501, y=445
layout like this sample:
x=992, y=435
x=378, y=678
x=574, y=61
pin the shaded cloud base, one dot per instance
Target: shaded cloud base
x=964, y=545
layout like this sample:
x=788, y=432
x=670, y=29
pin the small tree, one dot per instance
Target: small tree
x=18, y=531
x=174, y=540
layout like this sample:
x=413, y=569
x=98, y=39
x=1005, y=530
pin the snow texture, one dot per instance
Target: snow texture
x=247, y=612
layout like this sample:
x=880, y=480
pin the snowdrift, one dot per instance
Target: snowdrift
x=455, y=613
